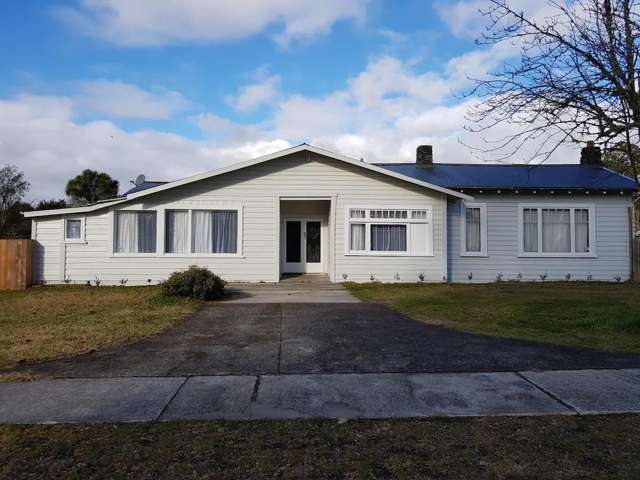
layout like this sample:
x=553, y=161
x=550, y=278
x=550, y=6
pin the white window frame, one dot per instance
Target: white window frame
x=463, y=229
x=161, y=224
x=82, y=238
x=190, y=209
x=572, y=207
x=159, y=242
x=368, y=221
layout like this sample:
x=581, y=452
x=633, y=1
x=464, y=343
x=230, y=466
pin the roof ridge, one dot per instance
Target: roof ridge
x=495, y=164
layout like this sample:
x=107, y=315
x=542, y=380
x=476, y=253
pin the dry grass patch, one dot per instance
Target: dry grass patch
x=604, y=316
x=50, y=322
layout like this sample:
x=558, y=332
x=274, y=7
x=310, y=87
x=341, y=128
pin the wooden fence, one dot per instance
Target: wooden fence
x=635, y=259
x=16, y=264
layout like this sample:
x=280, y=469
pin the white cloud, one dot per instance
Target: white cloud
x=255, y=95
x=381, y=114
x=41, y=137
x=390, y=108
x=161, y=22
x=113, y=99
x=464, y=17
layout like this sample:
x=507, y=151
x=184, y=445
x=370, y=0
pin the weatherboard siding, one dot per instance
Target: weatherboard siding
x=256, y=189
x=612, y=241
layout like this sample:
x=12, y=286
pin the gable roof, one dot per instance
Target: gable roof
x=512, y=177
x=289, y=151
x=135, y=193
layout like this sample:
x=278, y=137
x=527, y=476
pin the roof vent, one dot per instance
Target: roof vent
x=424, y=155
x=591, y=155
x=139, y=180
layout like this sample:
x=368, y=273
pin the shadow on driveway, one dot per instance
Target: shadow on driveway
x=282, y=338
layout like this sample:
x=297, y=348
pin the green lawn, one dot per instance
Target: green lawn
x=49, y=322
x=604, y=316
x=478, y=448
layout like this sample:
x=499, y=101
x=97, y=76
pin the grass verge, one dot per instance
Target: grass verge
x=50, y=322
x=478, y=448
x=603, y=316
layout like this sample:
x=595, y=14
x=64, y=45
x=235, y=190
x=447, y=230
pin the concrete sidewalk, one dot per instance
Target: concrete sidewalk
x=387, y=395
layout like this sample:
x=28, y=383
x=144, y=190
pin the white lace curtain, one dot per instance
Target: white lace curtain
x=135, y=232
x=357, y=236
x=473, y=229
x=73, y=228
x=215, y=231
x=556, y=230
x=177, y=231
x=530, y=230
x=389, y=238
x=582, y=230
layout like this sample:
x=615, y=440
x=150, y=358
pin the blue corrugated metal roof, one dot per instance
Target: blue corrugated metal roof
x=470, y=176
x=143, y=186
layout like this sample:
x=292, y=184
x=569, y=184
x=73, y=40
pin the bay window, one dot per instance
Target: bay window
x=557, y=230
x=389, y=231
x=135, y=231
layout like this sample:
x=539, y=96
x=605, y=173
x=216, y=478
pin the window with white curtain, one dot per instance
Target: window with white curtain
x=582, y=230
x=530, y=230
x=473, y=229
x=73, y=229
x=176, y=231
x=388, y=238
x=135, y=231
x=389, y=231
x=557, y=230
x=215, y=231
x=357, y=232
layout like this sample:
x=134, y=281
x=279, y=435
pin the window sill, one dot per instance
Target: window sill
x=81, y=242
x=202, y=255
x=556, y=255
x=473, y=254
x=177, y=255
x=387, y=254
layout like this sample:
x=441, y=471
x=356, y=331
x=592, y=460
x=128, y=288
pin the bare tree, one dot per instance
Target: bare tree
x=13, y=186
x=575, y=81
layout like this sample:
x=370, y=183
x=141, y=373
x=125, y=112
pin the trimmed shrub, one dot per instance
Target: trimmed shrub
x=196, y=282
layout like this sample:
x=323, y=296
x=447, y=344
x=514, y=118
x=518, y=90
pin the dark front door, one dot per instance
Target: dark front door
x=313, y=235
x=302, y=246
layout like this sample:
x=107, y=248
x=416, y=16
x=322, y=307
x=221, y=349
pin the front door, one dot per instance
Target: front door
x=303, y=246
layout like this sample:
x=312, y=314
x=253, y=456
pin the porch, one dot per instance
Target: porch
x=305, y=240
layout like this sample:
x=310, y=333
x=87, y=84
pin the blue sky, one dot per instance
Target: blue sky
x=172, y=88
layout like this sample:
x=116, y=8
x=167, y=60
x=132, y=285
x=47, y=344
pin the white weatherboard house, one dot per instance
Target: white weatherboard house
x=306, y=209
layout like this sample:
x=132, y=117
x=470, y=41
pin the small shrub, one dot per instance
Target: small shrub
x=196, y=282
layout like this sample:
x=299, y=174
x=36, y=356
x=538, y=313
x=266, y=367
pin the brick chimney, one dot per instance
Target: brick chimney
x=424, y=155
x=591, y=155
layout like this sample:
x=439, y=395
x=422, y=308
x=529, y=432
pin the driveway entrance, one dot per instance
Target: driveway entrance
x=258, y=331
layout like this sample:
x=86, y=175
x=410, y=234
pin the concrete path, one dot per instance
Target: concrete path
x=340, y=396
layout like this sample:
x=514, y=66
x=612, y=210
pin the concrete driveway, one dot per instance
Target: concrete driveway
x=259, y=332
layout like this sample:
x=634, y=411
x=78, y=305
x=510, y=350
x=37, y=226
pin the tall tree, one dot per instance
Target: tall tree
x=17, y=226
x=576, y=78
x=13, y=186
x=51, y=204
x=91, y=186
